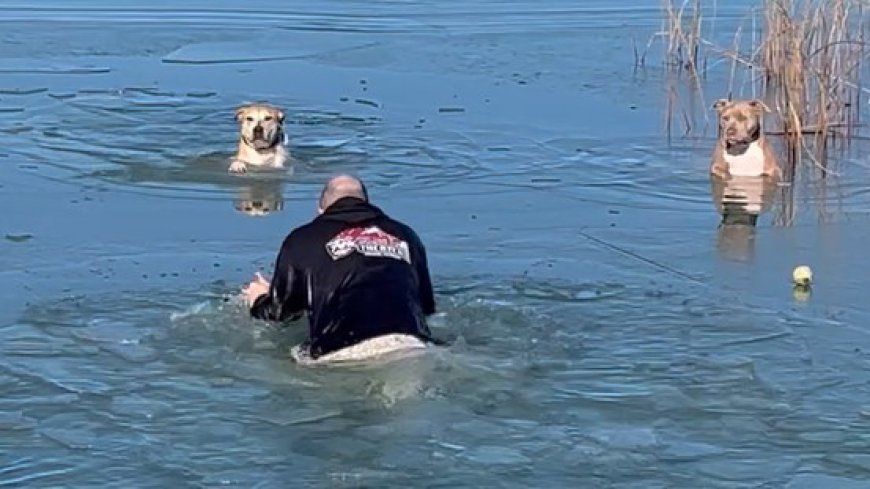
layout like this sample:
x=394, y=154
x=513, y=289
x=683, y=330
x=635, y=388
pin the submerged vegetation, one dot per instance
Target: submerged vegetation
x=803, y=58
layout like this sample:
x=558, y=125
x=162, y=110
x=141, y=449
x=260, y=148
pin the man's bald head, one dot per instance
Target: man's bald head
x=339, y=187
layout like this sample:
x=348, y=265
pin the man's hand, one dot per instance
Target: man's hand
x=254, y=289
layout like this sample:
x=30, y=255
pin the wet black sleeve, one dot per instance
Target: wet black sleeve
x=427, y=294
x=287, y=296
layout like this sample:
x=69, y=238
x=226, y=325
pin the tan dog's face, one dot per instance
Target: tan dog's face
x=262, y=126
x=740, y=120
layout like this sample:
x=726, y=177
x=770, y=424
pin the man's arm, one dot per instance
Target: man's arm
x=286, y=299
x=427, y=294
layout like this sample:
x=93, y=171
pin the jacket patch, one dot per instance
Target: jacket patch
x=370, y=241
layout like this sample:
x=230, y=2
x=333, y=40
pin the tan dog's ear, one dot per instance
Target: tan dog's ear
x=720, y=104
x=758, y=104
x=240, y=112
x=280, y=117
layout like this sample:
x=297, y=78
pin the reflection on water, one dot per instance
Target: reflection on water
x=740, y=201
x=190, y=387
x=259, y=197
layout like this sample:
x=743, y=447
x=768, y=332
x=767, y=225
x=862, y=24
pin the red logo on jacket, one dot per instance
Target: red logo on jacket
x=370, y=241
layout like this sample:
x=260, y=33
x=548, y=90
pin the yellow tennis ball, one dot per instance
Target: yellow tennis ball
x=802, y=275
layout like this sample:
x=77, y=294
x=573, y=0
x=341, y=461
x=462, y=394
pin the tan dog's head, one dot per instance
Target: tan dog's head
x=262, y=126
x=740, y=120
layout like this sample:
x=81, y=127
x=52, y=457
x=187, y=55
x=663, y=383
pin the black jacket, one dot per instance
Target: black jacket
x=356, y=272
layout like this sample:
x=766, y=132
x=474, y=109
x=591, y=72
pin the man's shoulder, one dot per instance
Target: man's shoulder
x=319, y=230
x=301, y=243
x=402, y=228
x=305, y=233
x=302, y=230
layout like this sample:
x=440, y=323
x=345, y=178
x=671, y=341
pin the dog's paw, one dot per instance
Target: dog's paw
x=720, y=173
x=238, y=167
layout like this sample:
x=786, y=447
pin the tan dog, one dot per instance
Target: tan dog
x=261, y=138
x=742, y=150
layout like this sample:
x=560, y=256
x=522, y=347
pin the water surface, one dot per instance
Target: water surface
x=606, y=331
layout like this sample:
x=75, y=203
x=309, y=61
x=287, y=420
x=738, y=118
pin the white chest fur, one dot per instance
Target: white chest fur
x=748, y=164
x=274, y=159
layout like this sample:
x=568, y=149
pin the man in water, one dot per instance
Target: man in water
x=362, y=278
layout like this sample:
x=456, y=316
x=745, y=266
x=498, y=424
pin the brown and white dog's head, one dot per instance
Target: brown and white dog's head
x=740, y=121
x=261, y=126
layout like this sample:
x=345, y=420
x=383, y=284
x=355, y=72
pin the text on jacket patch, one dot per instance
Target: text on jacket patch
x=370, y=241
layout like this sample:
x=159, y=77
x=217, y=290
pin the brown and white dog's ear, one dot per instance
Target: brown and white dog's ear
x=759, y=105
x=720, y=104
x=280, y=114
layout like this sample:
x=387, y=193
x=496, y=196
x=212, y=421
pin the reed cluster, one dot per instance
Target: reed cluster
x=803, y=58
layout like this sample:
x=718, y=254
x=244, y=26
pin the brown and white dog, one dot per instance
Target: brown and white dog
x=261, y=138
x=742, y=150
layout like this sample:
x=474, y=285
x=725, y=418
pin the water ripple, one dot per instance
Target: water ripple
x=548, y=368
